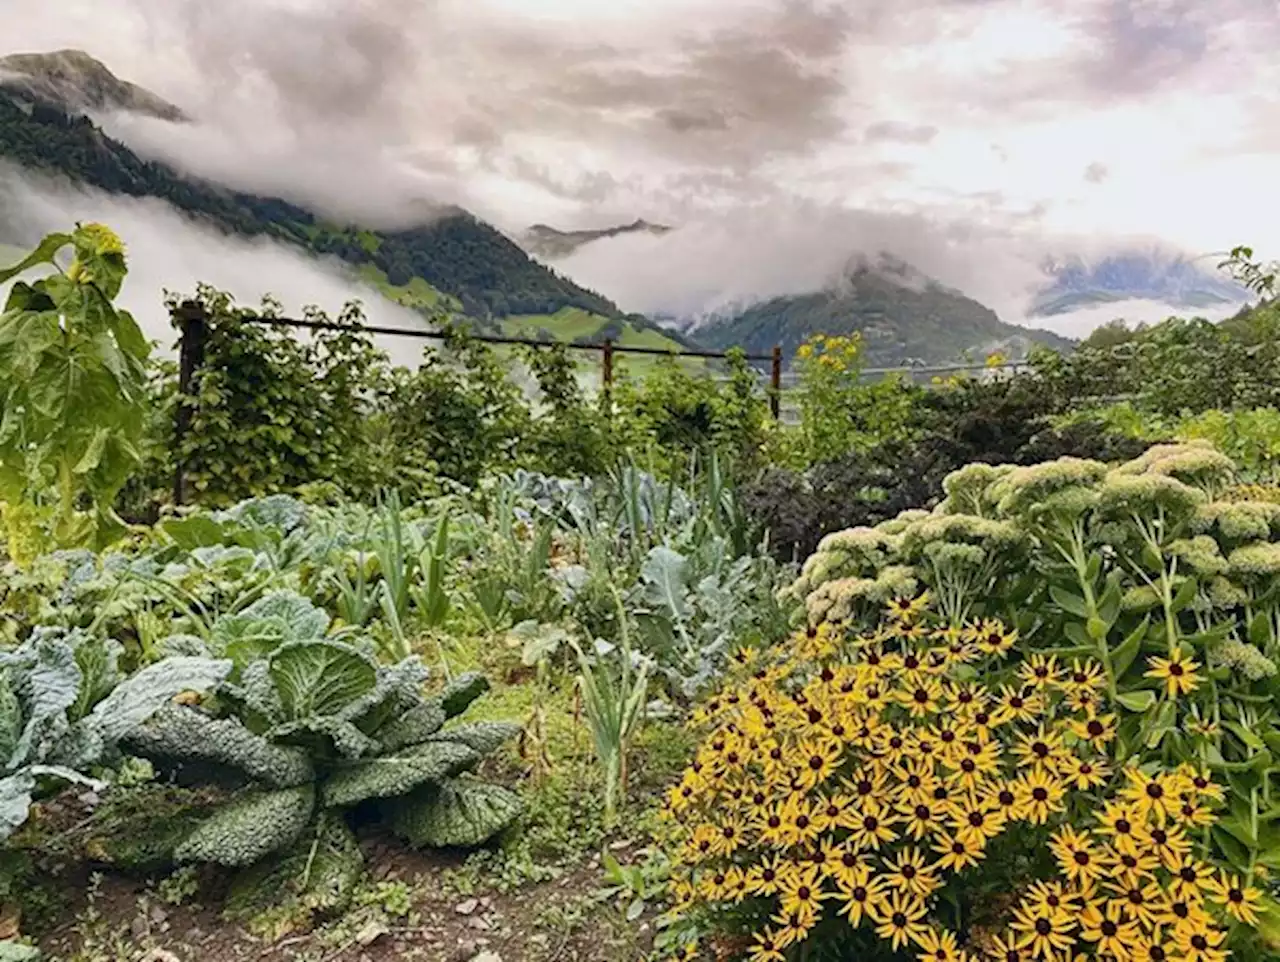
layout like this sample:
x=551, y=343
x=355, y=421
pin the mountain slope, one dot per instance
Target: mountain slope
x=904, y=318
x=78, y=81
x=1133, y=275
x=456, y=263
x=551, y=244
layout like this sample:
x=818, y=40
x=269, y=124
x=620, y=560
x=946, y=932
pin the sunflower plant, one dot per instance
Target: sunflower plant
x=927, y=790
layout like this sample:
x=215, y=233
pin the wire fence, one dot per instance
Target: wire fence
x=192, y=321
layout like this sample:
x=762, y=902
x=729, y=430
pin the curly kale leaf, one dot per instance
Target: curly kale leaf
x=458, y=813
x=483, y=737
x=181, y=734
x=250, y=827
x=414, y=726
x=318, y=874
x=391, y=775
x=458, y=695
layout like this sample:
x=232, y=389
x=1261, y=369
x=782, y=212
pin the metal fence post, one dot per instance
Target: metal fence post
x=775, y=383
x=606, y=376
x=190, y=319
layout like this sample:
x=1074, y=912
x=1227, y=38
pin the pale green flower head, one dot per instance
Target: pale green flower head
x=896, y=526
x=969, y=489
x=1201, y=467
x=1226, y=595
x=1242, y=658
x=1238, y=520
x=1146, y=494
x=1023, y=488
x=849, y=598
x=1158, y=452
x=1138, y=599
x=865, y=547
x=1254, y=562
x=1201, y=554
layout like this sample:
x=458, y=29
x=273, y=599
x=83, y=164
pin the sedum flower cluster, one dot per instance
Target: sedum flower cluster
x=851, y=785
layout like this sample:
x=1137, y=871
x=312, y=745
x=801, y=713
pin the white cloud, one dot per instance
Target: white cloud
x=168, y=252
x=746, y=120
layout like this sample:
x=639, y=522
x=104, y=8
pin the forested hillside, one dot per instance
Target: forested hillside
x=458, y=254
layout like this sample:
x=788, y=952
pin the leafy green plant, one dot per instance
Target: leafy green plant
x=305, y=730
x=73, y=395
x=65, y=704
x=613, y=700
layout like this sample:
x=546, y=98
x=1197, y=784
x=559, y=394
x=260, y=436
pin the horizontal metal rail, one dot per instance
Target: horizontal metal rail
x=490, y=338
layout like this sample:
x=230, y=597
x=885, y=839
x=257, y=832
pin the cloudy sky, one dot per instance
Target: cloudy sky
x=964, y=130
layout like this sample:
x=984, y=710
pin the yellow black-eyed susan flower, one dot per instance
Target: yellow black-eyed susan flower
x=1178, y=672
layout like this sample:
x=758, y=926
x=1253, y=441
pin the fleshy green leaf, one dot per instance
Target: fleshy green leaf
x=318, y=874
x=182, y=734
x=1128, y=650
x=140, y=696
x=320, y=677
x=391, y=775
x=458, y=695
x=250, y=827
x=483, y=737
x=1137, y=701
x=454, y=814
x=414, y=726
x=15, y=801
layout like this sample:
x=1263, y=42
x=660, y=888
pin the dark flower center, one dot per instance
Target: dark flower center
x=802, y=821
x=899, y=920
x=1082, y=858
x=859, y=893
x=1109, y=929
x=1043, y=927
x=1155, y=791
x=1006, y=797
x=1199, y=943
x=1096, y=728
x=1176, y=670
x=871, y=823
x=908, y=872
x=1040, y=794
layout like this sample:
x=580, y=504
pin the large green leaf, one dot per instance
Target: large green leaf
x=140, y=696
x=318, y=874
x=320, y=677
x=17, y=952
x=98, y=661
x=483, y=737
x=15, y=801
x=391, y=775
x=454, y=814
x=458, y=695
x=414, y=726
x=43, y=254
x=47, y=682
x=665, y=575
x=250, y=827
x=182, y=734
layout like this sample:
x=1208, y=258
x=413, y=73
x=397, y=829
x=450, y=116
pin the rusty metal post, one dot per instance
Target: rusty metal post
x=606, y=376
x=190, y=319
x=775, y=383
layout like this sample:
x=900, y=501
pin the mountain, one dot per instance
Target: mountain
x=904, y=316
x=453, y=262
x=1172, y=279
x=77, y=81
x=551, y=244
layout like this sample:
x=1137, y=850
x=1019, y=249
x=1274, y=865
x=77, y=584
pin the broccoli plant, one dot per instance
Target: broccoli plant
x=315, y=728
x=64, y=705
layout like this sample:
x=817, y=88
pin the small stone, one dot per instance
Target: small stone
x=467, y=907
x=486, y=903
x=487, y=956
x=373, y=930
x=160, y=955
x=158, y=915
x=479, y=923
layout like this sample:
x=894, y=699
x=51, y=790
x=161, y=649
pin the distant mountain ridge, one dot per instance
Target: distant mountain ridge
x=546, y=242
x=77, y=81
x=904, y=316
x=1171, y=279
